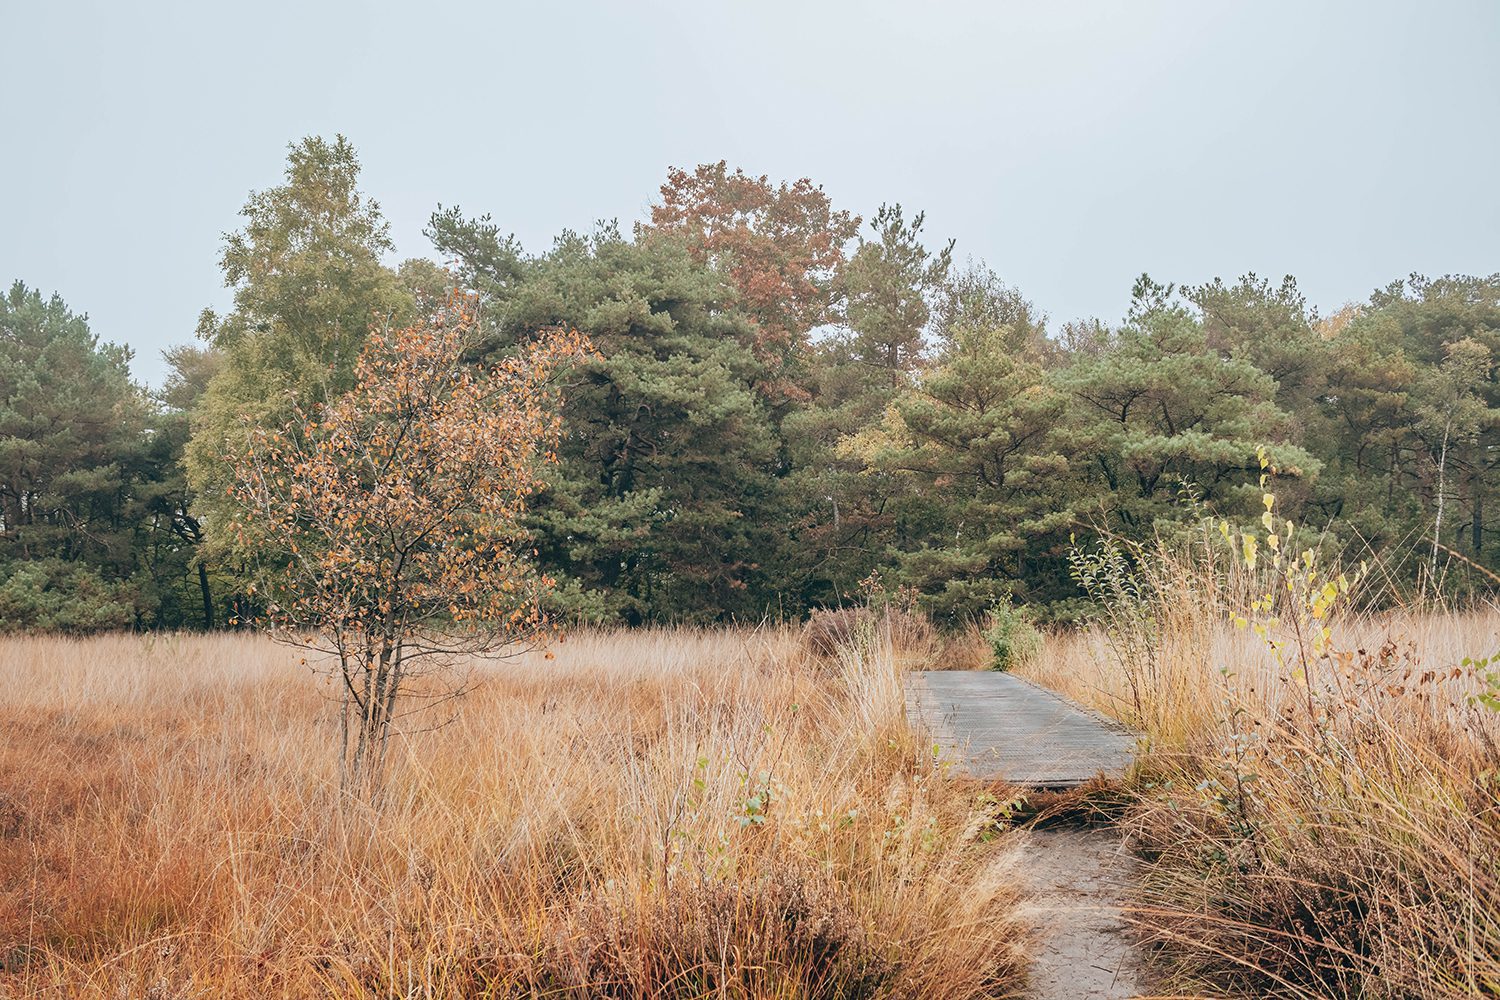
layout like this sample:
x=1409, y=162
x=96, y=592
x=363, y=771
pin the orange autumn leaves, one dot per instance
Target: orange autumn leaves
x=395, y=509
x=780, y=246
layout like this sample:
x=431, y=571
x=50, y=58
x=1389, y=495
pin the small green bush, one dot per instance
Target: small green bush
x=1012, y=635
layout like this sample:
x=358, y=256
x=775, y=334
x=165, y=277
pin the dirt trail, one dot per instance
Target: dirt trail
x=1079, y=877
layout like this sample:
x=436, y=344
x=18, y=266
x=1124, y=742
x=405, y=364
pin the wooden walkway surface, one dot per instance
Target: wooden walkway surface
x=999, y=727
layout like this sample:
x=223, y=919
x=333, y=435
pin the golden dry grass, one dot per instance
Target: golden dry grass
x=1333, y=838
x=1201, y=661
x=658, y=813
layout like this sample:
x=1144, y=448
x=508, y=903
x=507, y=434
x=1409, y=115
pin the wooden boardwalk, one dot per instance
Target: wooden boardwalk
x=1002, y=728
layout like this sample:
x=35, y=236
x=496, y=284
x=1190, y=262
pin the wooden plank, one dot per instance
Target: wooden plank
x=999, y=727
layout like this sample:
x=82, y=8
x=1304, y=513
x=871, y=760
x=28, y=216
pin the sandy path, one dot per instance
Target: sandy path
x=1079, y=878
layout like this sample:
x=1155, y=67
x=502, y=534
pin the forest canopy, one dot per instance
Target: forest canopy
x=790, y=405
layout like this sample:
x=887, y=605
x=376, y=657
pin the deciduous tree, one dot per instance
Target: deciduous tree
x=782, y=247
x=388, y=521
x=308, y=282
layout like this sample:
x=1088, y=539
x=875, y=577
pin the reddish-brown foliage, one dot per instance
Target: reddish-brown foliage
x=781, y=245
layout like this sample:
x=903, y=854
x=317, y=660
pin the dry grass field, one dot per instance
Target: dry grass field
x=651, y=814
x=1333, y=835
x=686, y=813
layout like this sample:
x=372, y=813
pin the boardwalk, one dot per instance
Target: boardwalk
x=1003, y=728
x=997, y=726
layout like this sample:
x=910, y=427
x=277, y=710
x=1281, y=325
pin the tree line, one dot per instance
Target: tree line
x=787, y=407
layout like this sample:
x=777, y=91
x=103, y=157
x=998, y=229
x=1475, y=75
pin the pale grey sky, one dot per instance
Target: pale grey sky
x=1070, y=145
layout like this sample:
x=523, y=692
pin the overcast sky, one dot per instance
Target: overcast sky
x=1070, y=145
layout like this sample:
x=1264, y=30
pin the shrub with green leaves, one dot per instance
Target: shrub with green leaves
x=1012, y=635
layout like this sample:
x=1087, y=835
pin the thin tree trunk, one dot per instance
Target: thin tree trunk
x=346, y=707
x=1476, y=533
x=1437, y=523
x=388, y=706
x=361, y=752
x=208, y=597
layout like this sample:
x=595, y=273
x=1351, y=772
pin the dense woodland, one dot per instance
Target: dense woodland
x=792, y=406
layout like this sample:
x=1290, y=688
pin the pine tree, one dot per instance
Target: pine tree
x=72, y=454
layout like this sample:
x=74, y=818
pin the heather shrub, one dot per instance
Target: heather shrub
x=829, y=631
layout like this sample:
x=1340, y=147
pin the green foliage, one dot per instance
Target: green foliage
x=776, y=414
x=847, y=516
x=53, y=595
x=662, y=506
x=1487, y=670
x=1269, y=326
x=71, y=434
x=1160, y=410
x=1012, y=635
x=1411, y=403
x=96, y=531
x=842, y=518
x=308, y=283
x=890, y=284
x=979, y=436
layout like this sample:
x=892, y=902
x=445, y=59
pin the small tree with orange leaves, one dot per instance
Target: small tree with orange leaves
x=387, y=522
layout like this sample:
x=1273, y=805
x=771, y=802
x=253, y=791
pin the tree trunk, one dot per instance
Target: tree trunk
x=375, y=705
x=1437, y=522
x=1476, y=533
x=208, y=597
x=388, y=703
